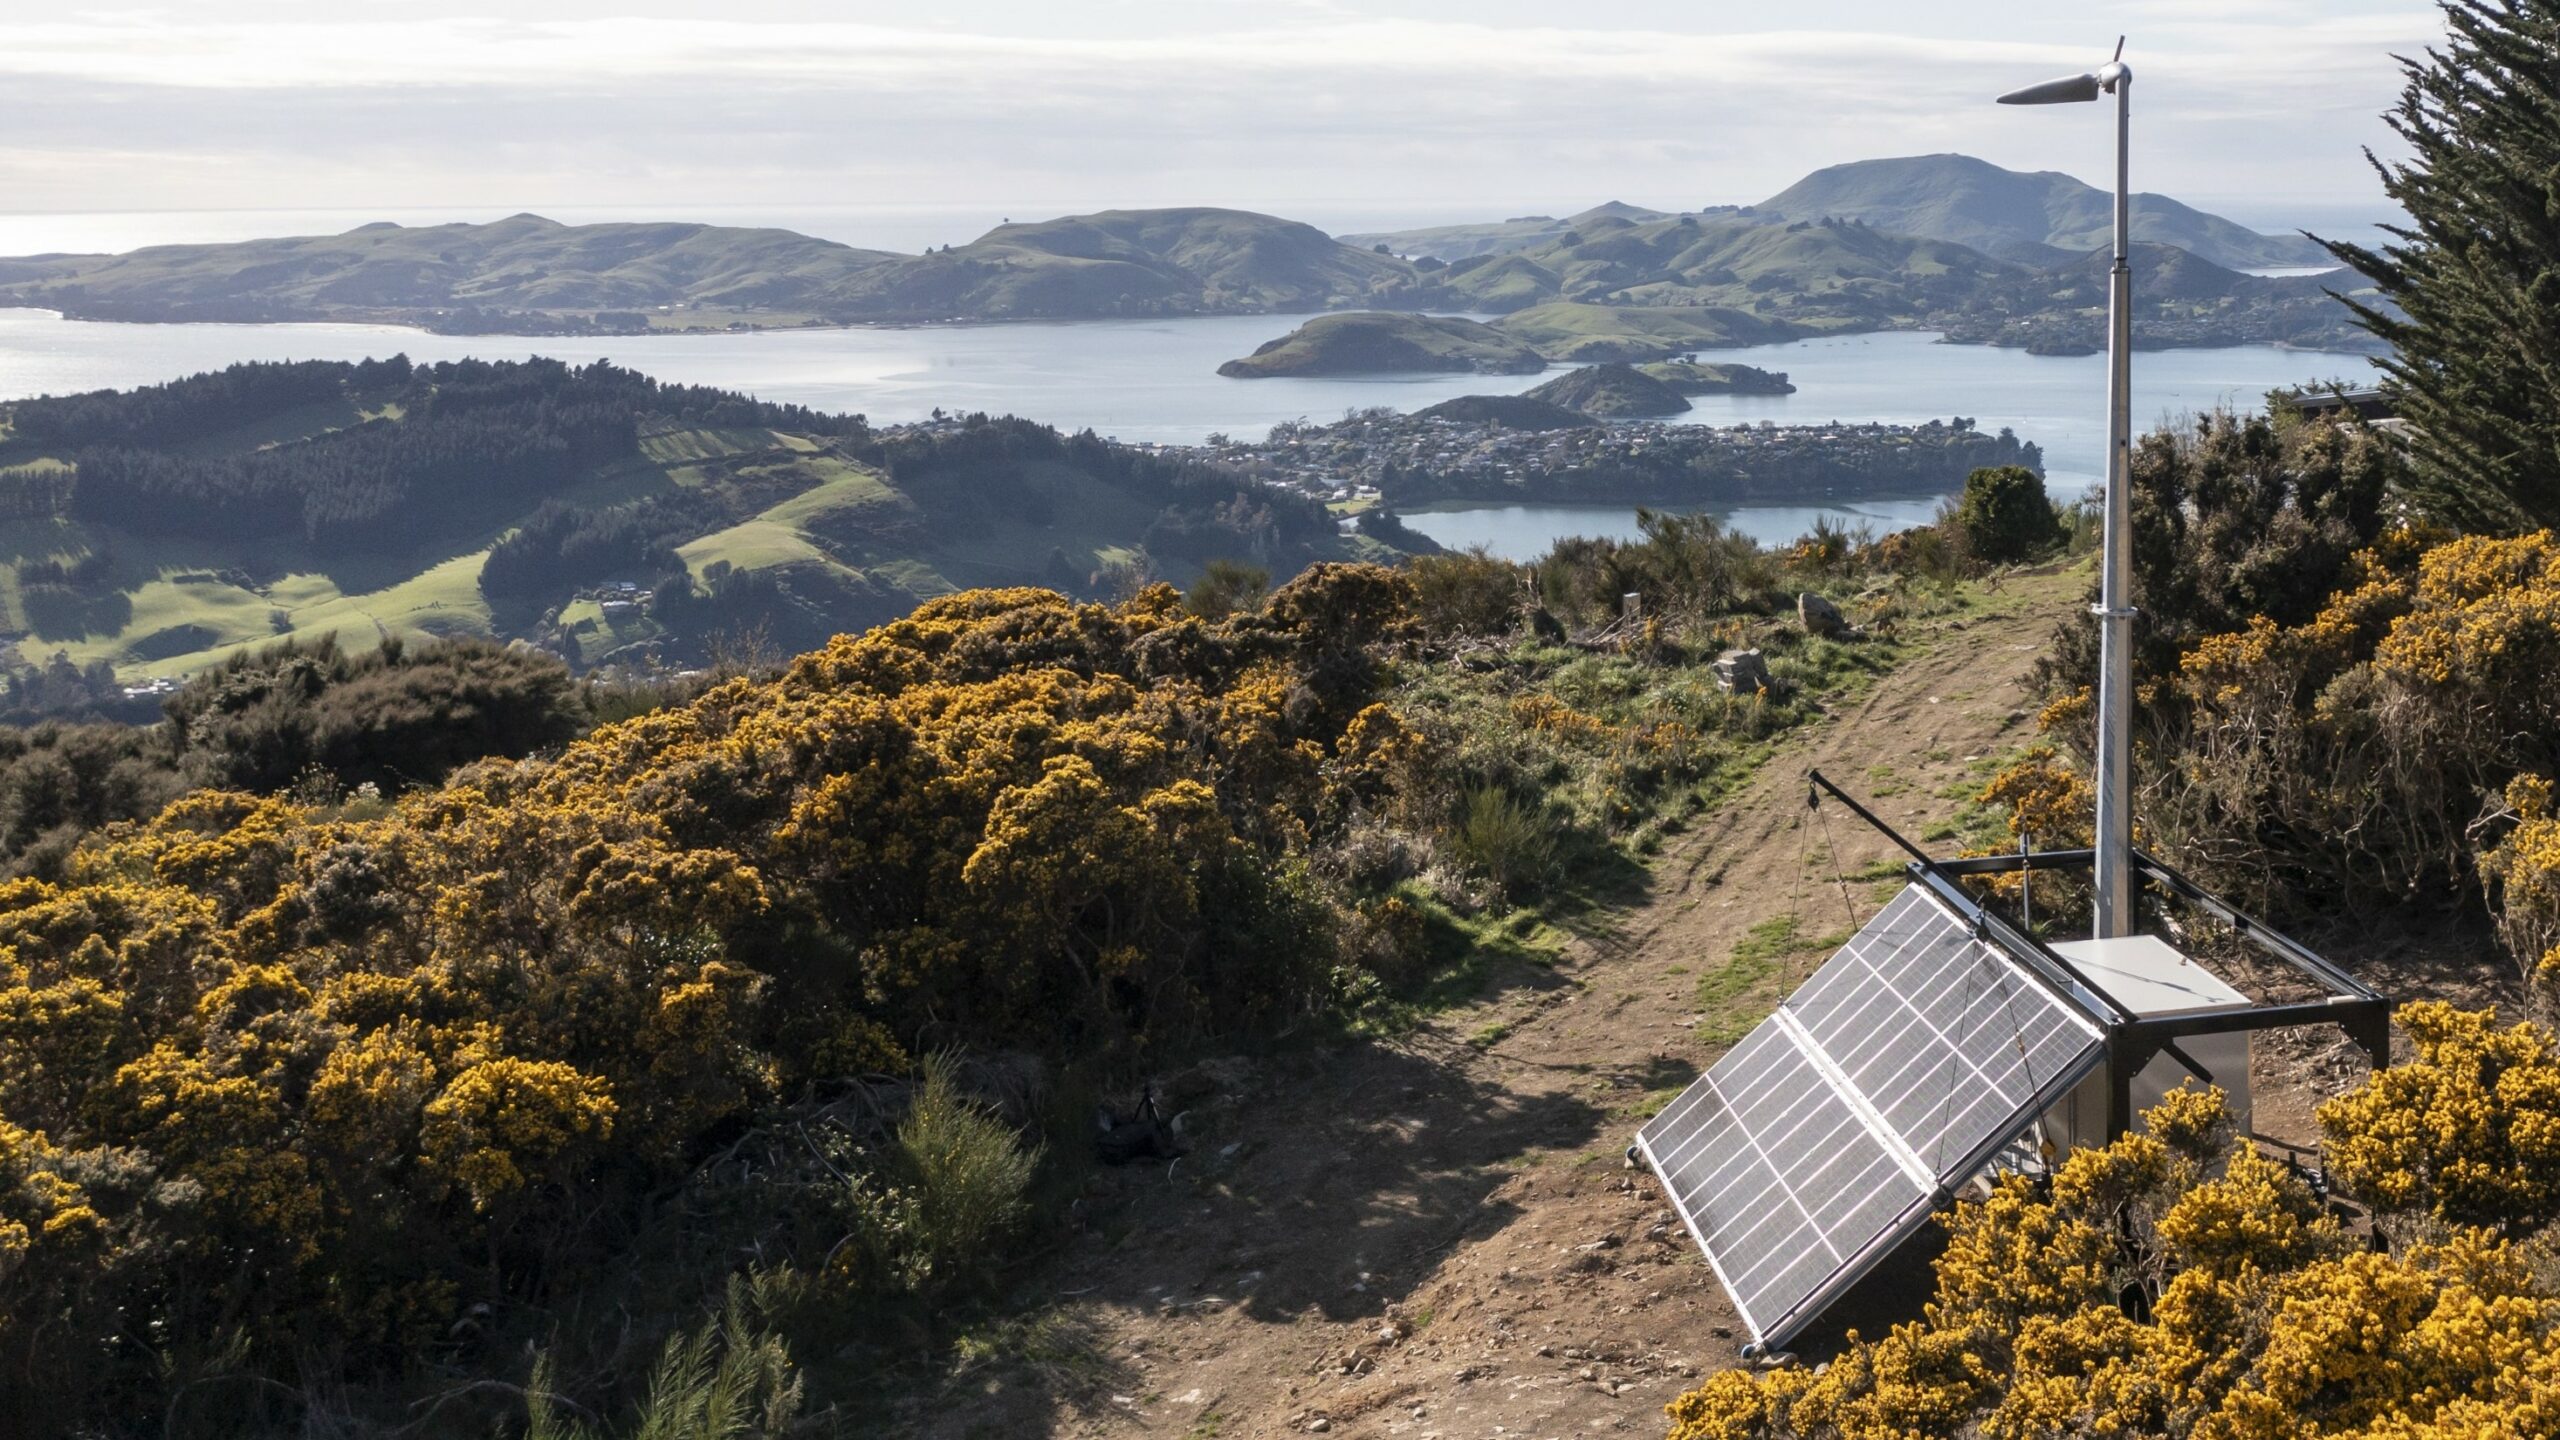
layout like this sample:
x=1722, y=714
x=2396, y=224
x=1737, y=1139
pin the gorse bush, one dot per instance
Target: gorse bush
x=279, y=1064
x=1467, y=593
x=2260, y=1317
x=2333, y=704
x=298, y=1080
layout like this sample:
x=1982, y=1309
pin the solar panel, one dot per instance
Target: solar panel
x=1824, y=1139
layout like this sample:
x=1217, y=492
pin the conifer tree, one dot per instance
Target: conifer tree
x=2476, y=271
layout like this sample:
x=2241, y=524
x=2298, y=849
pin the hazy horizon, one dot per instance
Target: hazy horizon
x=1382, y=112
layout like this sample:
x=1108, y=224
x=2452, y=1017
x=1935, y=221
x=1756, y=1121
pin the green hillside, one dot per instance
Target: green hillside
x=589, y=511
x=522, y=265
x=1574, y=332
x=1371, y=343
x=1137, y=262
x=1611, y=392
x=1495, y=237
x=529, y=273
x=1740, y=277
x=1511, y=412
x=1847, y=272
x=2015, y=214
x=1698, y=377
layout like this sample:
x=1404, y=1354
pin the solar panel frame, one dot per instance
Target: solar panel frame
x=1812, y=1085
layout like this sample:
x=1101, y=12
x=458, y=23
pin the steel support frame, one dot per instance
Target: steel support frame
x=2133, y=1040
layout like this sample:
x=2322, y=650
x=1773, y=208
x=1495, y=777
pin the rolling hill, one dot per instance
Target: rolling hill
x=591, y=511
x=2038, y=219
x=1611, y=392
x=1136, y=262
x=1649, y=291
x=1836, y=271
x=1698, y=377
x=1497, y=237
x=2017, y=215
x=1725, y=277
x=1575, y=332
x=526, y=273
x=523, y=265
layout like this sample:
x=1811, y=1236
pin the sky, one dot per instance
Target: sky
x=1346, y=110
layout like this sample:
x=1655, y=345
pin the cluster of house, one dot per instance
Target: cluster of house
x=1364, y=454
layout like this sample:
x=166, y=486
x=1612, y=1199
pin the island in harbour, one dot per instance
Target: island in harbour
x=1385, y=343
x=1381, y=343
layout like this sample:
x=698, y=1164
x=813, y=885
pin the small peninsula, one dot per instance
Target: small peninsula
x=1509, y=412
x=1691, y=376
x=1377, y=343
x=1611, y=392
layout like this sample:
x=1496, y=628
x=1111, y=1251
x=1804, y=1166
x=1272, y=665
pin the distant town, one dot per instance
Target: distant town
x=1379, y=456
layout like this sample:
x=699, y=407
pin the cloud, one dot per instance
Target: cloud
x=1236, y=102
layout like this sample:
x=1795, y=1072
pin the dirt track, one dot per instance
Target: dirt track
x=1437, y=1237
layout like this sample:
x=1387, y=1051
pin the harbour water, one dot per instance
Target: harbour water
x=1157, y=381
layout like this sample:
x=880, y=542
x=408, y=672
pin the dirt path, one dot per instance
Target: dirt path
x=1437, y=1237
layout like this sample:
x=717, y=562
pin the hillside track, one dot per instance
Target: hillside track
x=1437, y=1236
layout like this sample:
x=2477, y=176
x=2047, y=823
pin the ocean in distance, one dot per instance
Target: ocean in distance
x=1156, y=381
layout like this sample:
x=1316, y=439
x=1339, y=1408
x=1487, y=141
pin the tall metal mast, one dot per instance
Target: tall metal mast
x=2114, y=871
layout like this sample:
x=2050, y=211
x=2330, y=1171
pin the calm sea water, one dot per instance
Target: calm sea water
x=1156, y=380
x=1525, y=532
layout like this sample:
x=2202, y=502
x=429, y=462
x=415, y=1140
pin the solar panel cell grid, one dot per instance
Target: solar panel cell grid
x=1831, y=1130
x=1737, y=1167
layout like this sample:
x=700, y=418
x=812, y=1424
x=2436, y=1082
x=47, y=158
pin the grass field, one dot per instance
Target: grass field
x=169, y=605
x=184, y=620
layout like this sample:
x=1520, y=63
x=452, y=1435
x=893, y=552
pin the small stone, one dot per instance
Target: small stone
x=1819, y=616
x=1319, y=1425
x=1587, y=1372
x=1744, y=672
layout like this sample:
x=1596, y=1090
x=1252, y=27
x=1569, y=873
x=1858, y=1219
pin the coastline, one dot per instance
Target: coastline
x=387, y=322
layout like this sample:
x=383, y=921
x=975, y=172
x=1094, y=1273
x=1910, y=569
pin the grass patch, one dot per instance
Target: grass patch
x=1652, y=1101
x=1488, y=1036
x=1062, y=1352
x=1736, y=995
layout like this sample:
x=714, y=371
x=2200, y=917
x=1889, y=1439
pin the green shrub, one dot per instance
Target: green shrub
x=2004, y=515
x=732, y=1379
x=1512, y=842
x=970, y=1170
x=1466, y=592
x=934, y=1213
x=1225, y=588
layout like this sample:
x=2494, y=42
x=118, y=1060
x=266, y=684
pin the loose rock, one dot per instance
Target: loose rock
x=1744, y=672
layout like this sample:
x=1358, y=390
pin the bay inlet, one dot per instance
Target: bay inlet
x=1156, y=381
